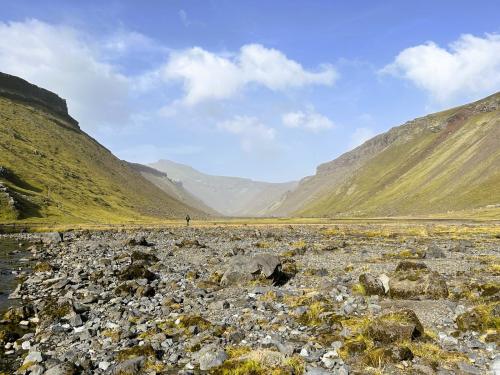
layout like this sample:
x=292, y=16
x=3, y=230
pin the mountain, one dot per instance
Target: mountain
x=173, y=188
x=50, y=170
x=447, y=161
x=231, y=196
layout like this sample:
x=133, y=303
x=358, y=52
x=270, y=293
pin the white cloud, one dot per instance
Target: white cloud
x=184, y=17
x=252, y=133
x=310, y=120
x=360, y=136
x=61, y=60
x=207, y=75
x=469, y=67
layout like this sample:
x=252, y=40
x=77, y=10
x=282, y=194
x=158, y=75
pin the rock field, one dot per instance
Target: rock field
x=283, y=299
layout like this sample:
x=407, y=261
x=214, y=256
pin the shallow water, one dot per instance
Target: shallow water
x=11, y=262
x=11, y=255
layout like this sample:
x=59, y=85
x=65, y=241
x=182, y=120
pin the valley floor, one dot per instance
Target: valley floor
x=359, y=297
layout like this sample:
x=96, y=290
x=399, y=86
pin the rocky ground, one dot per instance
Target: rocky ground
x=341, y=299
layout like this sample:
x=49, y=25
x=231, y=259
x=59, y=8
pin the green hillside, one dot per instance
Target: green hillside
x=50, y=170
x=448, y=161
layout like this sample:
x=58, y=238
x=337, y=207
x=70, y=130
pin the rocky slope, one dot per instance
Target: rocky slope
x=343, y=299
x=231, y=196
x=51, y=170
x=447, y=161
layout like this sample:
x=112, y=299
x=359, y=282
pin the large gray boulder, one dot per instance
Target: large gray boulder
x=244, y=268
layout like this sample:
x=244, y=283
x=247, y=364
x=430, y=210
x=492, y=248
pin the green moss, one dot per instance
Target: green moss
x=480, y=318
x=42, y=267
x=136, y=351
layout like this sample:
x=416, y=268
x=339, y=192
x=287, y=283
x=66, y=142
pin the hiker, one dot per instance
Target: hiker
x=187, y=220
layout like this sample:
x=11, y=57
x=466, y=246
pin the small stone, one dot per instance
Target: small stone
x=33, y=357
x=104, y=365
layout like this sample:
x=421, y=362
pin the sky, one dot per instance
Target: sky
x=261, y=89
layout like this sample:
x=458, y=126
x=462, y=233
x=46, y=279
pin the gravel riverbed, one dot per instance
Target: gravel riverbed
x=301, y=299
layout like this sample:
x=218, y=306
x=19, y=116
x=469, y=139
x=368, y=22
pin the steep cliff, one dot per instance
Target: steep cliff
x=18, y=89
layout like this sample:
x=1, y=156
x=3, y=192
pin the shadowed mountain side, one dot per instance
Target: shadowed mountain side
x=442, y=162
x=231, y=196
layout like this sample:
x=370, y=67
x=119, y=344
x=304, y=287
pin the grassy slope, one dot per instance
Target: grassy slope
x=60, y=174
x=425, y=172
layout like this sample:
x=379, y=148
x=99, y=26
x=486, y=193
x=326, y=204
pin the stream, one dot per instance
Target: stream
x=13, y=260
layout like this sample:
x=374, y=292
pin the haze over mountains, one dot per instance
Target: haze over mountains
x=51, y=169
x=231, y=196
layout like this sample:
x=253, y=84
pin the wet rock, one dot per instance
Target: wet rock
x=396, y=326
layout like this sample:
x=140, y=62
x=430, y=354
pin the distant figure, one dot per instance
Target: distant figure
x=187, y=220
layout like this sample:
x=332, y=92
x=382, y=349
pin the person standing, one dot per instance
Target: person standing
x=187, y=220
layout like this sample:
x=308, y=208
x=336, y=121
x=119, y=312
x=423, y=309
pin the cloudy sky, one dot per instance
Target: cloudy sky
x=259, y=89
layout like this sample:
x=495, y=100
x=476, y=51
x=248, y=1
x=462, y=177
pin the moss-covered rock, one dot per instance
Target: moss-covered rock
x=480, y=318
x=417, y=284
x=397, y=326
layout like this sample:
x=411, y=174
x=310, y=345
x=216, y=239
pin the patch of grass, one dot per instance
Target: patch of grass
x=433, y=354
x=42, y=267
x=136, y=351
x=358, y=289
x=261, y=362
x=113, y=334
x=480, y=318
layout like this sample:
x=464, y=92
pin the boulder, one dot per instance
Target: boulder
x=395, y=326
x=372, y=284
x=136, y=271
x=137, y=241
x=129, y=367
x=434, y=251
x=139, y=256
x=417, y=284
x=210, y=357
x=243, y=269
x=52, y=238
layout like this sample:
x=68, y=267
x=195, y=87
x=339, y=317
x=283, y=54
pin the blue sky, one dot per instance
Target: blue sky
x=266, y=90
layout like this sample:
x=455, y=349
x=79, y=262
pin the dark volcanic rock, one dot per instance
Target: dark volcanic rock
x=136, y=271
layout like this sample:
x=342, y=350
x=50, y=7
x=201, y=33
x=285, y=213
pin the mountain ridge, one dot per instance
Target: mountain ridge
x=351, y=183
x=52, y=170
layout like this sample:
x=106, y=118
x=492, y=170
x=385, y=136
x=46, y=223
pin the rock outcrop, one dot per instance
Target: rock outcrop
x=18, y=89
